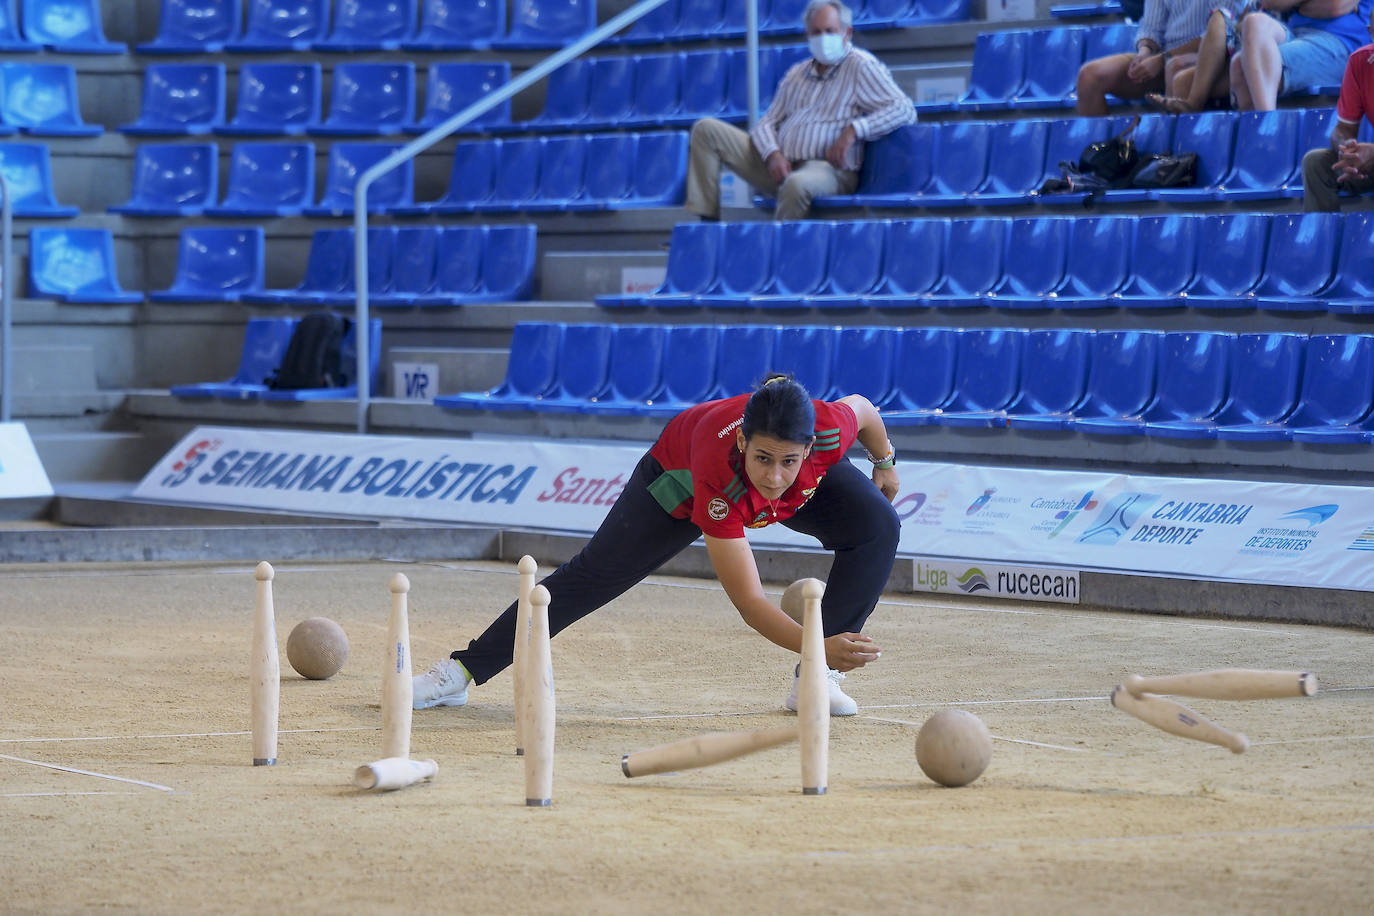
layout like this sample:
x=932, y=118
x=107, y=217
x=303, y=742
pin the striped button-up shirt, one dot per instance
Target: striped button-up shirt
x=1170, y=23
x=810, y=110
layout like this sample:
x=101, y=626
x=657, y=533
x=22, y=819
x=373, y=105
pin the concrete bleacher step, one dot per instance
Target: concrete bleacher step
x=55, y=380
x=583, y=275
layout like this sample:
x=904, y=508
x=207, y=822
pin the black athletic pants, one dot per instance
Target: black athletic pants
x=847, y=514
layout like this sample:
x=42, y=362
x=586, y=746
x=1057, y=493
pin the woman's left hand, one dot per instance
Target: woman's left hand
x=885, y=479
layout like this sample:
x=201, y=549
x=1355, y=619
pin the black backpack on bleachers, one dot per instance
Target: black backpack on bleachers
x=314, y=356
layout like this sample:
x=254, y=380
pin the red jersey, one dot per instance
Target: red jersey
x=1357, y=87
x=703, y=472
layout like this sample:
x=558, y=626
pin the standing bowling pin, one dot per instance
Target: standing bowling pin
x=813, y=696
x=539, y=705
x=528, y=570
x=397, y=691
x=266, y=684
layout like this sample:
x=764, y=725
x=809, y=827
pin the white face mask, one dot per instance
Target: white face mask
x=828, y=48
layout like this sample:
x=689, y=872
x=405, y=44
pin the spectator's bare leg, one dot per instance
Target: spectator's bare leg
x=1106, y=75
x=1209, y=75
x=715, y=143
x=1260, y=61
x=1239, y=87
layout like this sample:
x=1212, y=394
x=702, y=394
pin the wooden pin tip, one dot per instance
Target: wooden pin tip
x=540, y=595
x=400, y=584
x=264, y=571
x=813, y=589
x=527, y=565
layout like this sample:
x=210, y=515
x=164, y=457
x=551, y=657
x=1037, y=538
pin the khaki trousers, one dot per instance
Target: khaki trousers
x=715, y=143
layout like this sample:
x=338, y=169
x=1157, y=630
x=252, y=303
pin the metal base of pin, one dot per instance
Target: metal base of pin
x=264, y=761
x=538, y=802
x=819, y=790
x=625, y=766
x=519, y=752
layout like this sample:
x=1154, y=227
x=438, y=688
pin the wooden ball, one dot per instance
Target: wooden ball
x=317, y=648
x=953, y=747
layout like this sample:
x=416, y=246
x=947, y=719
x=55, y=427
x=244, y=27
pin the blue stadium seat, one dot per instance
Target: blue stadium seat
x=746, y=265
x=658, y=89
x=1164, y=255
x=1033, y=266
x=370, y=25
x=173, y=179
x=40, y=99
x=347, y=161
x=268, y=179
x=1300, y=262
x=857, y=250
x=800, y=261
x=1054, y=376
x=565, y=101
x=264, y=344
x=1266, y=378
x=923, y=372
x=882, y=14
x=1105, y=40
x=1098, y=264
x=216, y=265
x=895, y=170
x=381, y=254
x=609, y=174
x=328, y=270
x=999, y=70
x=744, y=355
x=452, y=87
x=28, y=170
x=562, y=168
x=1016, y=162
x=925, y=12
x=1094, y=8
x=959, y=165
x=611, y=92
x=913, y=262
x=68, y=27
x=981, y=244
x=706, y=94
x=583, y=361
x=414, y=269
x=282, y=25
x=782, y=17
x=634, y=370
x=547, y=23
x=689, y=370
x=276, y=99
x=1265, y=152
x=808, y=353
x=457, y=265
x=1352, y=291
x=1053, y=57
x=348, y=359
x=1194, y=368
x=1121, y=381
x=471, y=180
x=531, y=369
x=508, y=260
x=75, y=266
x=987, y=377
x=660, y=171
x=1210, y=134
x=1269, y=361
x=737, y=88
x=180, y=99
x=698, y=19
x=369, y=99
x=692, y=255
x=11, y=41
x=731, y=23
x=864, y=361
x=1314, y=131
x=1228, y=282
x=195, y=27
x=458, y=25
x=1337, y=390
x=654, y=28
x=517, y=175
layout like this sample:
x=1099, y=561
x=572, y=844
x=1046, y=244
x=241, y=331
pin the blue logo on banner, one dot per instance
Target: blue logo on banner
x=1117, y=517
x=1313, y=515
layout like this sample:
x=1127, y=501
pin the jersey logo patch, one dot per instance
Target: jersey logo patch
x=717, y=508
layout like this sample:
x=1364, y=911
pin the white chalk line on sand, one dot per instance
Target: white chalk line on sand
x=1056, y=747
x=284, y=731
x=1097, y=840
x=54, y=766
x=58, y=794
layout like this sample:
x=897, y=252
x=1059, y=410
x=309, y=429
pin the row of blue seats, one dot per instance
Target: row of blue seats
x=683, y=20
x=65, y=26
x=212, y=26
x=1310, y=262
x=419, y=266
x=1038, y=68
x=264, y=344
x=1183, y=384
x=1252, y=155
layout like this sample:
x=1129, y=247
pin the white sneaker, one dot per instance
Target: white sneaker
x=841, y=703
x=446, y=684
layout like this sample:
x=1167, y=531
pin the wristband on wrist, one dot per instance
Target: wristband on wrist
x=888, y=461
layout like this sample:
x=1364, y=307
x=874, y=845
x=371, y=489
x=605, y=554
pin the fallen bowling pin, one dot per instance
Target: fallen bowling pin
x=393, y=773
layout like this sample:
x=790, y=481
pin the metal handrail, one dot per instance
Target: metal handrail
x=6, y=298
x=476, y=109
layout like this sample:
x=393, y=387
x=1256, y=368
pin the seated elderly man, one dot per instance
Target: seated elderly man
x=1345, y=163
x=1166, y=41
x=809, y=142
x=1309, y=49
